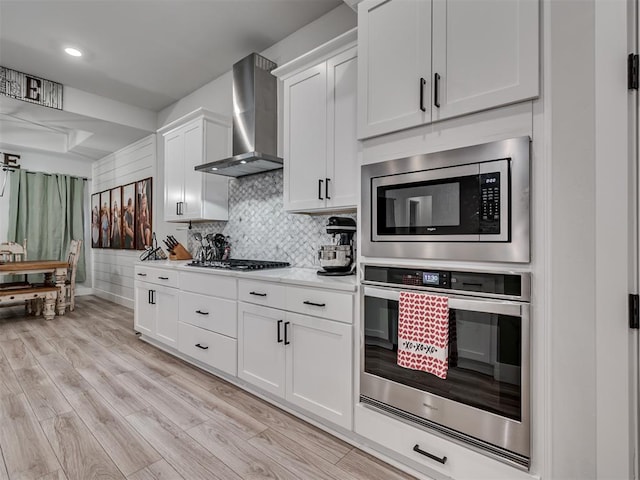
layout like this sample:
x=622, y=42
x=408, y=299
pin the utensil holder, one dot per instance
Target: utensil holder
x=179, y=253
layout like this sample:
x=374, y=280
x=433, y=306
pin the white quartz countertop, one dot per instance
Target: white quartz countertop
x=290, y=275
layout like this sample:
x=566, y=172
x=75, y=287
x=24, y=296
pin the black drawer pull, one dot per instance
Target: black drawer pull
x=442, y=460
x=200, y=312
x=279, y=334
x=306, y=302
x=206, y=348
x=436, y=90
x=258, y=294
x=163, y=278
x=286, y=333
x=320, y=189
x=326, y=188
x=142, y=274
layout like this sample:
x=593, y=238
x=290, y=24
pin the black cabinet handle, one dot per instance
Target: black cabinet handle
x=150, y=296
x=258, y=294
x=200, y=312
x=320, y=189
x=142, y=274
x=423, y=82
x=163, y=278
x=177, y=208
x=306, y=302
x=417, y=449
x=200, y=346
x=286, y=333
x=326, y=188
x=436, y=90
x=279, y=335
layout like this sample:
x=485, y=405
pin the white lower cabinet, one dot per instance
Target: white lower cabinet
x=156, y=307
x=304, y=359
x=210, y=348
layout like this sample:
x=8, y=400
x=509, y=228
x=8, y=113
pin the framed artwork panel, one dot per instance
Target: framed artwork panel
x=95, y=220
x=116, y=218
x=105, y=219
x=129, y=216
x=144, y=205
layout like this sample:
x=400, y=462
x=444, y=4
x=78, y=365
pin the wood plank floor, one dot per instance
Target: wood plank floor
x=82, y=398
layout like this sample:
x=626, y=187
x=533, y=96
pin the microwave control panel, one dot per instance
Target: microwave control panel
x=490, y=203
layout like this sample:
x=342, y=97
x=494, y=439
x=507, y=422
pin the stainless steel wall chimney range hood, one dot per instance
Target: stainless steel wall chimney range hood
x=255, y=121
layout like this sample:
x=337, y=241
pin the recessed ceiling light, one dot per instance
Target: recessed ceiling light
x=74, y=52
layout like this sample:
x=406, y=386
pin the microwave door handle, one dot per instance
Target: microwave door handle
x=497, y=307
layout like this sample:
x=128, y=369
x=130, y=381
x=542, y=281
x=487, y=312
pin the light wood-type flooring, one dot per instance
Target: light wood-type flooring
x=82, y=398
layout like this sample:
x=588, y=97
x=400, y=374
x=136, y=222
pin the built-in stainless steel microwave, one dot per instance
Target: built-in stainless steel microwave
x=470, y=203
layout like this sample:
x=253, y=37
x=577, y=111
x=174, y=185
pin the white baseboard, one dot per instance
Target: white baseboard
x=125, y=302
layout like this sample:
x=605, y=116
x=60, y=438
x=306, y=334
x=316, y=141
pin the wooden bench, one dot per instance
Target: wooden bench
x=48, y=293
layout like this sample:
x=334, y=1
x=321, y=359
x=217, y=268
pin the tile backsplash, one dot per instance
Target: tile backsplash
x=260, y=229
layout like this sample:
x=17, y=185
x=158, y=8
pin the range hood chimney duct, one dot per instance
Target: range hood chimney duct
x=255, y=121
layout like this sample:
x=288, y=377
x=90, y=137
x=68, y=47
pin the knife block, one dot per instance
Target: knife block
x=179, y=253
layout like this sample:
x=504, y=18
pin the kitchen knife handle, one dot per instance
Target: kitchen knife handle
x=320, y=189
x=279, y=333
x=436, y=90
x=286, y=333
x=326, y=188
x=423, y=82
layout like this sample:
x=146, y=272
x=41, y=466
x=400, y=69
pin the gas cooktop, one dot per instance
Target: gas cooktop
x=237, y=264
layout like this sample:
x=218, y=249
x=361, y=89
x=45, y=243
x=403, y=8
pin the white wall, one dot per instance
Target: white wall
x=67, y=164
x=216, y=95
x=113, y=269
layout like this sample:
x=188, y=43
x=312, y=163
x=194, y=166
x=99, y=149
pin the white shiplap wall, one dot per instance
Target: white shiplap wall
x=113, y=269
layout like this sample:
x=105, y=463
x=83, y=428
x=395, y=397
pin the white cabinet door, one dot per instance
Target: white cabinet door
x=394, y=58
x=174, y=174
x=144, y=310
x=261, y=356
x=166, y=306
x=305, y=148
x=342, y=111
x=193, y=155
x=319, y=367
x=485, y=52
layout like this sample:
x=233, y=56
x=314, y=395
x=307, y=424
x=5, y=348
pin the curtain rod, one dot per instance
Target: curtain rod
x=49, y=174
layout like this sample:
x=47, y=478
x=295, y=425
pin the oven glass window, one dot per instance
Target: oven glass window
x=484, y=357
x=437, y=207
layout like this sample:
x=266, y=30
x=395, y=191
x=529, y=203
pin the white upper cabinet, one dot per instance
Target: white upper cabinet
x=394, y=48
x=486, y=55
x=196, y=138
x=427, y=60
x=320, y=121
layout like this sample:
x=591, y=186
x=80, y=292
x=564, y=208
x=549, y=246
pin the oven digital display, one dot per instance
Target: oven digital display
x=430, y=278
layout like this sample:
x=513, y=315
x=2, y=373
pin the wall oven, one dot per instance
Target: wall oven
x=470, y=203
x=484, y=400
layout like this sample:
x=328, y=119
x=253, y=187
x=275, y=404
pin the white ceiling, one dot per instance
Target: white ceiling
x=146, y=53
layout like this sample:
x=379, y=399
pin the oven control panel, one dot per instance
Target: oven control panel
x=510, y=284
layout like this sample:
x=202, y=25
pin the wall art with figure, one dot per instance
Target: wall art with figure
x=116, y=217
x=143, y=213
x=129, y=216
x=95, y=220
x=105, y=219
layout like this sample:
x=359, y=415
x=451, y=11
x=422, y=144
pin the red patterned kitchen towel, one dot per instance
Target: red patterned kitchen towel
x=423, y=333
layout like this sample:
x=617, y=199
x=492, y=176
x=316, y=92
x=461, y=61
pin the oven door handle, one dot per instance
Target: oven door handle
x=498, y=307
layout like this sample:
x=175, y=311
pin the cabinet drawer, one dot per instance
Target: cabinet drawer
x=211, y=313
x=218, y=285
x=158, y=276
x=320, y=303
x=208, y=347
x=262, y=293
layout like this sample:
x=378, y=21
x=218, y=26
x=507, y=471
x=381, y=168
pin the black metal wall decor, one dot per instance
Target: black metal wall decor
x=30, y=88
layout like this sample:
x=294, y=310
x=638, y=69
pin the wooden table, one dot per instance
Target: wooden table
x=55, y=272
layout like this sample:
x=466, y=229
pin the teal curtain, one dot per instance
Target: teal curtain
x=47, y=210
